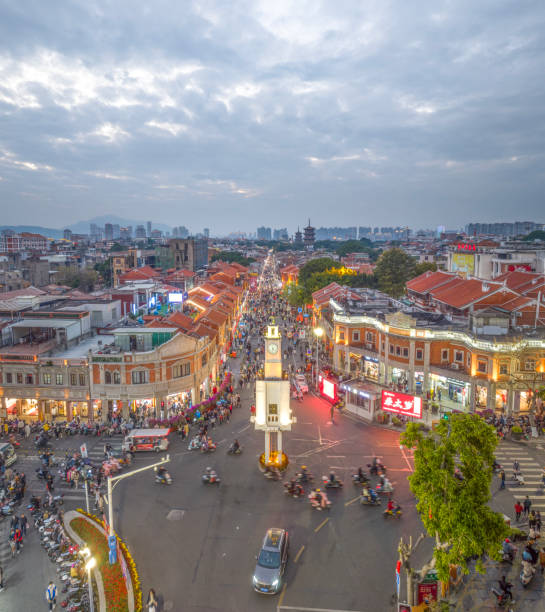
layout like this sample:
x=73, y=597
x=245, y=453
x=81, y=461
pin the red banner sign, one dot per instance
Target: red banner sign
x=408, y=405
x=427, y=592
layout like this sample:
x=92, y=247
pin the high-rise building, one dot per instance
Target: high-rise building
x=125, y=233
x=206, y=233
x=140, y=233
x=148, y=229
x=189, y=253
x=95, y=233
x=308, y=238
x=67, y=234
x=264, y=233
x=117, y=231
x=109, y=231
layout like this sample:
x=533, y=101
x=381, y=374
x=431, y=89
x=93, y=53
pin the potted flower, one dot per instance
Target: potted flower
x=516, y=432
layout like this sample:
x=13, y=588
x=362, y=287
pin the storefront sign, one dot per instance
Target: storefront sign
x=408, y=405
x=427, y=592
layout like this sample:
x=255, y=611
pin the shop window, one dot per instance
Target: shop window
x=19, y=378
x=59, y=379
x=468, y=360
x=405, y=352
x=341, y=336
x=383, y=347
x=419, y=354
x=117, y=378
x=140, y=377
x=391, y=347
x=9, y=377
x=482, y=367
x=82, y=380
x=73, y=379
x=177, y=371
x=369, y=337
x=204, y=360
x=46, y=379
x=187, y=369
x=398, y=350
x=503, y=369
x=107, y=377
x=29, y=379
x=444, y=355
x=355, y=336
x=530, y=365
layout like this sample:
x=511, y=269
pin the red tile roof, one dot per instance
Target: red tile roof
x=463, y=293
x=429, y=280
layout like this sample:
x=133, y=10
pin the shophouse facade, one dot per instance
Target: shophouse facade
x=448, y=366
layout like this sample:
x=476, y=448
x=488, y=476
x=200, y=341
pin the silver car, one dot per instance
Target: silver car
x=271, y=561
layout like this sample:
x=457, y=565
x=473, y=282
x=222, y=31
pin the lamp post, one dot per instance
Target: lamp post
x=318, y=332
x=90, y=563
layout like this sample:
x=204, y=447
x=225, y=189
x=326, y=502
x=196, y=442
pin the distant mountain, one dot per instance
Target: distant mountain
x=49, y=232
x=82, y=227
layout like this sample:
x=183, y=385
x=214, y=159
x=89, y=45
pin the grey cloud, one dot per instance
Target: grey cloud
x=236, y=113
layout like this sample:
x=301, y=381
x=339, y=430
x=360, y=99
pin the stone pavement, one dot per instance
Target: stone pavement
x=475, y=591
x=26, y=577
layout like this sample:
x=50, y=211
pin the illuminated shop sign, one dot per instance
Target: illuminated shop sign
x=400, y=403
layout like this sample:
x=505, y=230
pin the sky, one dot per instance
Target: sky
x=231, y=114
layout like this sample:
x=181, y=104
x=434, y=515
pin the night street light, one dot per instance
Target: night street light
x=318, y=332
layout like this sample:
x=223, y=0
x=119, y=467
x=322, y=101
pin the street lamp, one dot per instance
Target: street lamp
x=90, y=563
x=318, y=332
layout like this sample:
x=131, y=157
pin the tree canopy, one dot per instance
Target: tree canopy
x=535, y=235
x=394, y=268
x=455, y=510
x=232, y=256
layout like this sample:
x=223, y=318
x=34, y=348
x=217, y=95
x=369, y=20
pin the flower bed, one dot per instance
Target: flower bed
x=131, y=565
x=114, y=583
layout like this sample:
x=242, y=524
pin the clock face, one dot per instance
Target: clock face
x=273, y=348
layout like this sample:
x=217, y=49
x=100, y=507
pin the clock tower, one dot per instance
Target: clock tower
x=272, y=400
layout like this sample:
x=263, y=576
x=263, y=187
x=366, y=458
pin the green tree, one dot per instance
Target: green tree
x=321, y=264
x=353, y=246
x=294, y=294
x=394, y=268
x=104, y=270
x=535, y=235
x=116, y=248
x=84, y=280
x=232, y=256
x=455, y=511
x=420, y=268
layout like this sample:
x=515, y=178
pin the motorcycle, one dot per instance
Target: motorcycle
x=502, y=599
x=208, y=448
x=368, y=501
x=166, y=479
x=377, y=470
x=233, y=451
x=527, y=573
x=211, y=479
x=319, y=504
x=387, y=487
x=295, y=491
x=271, y=474
x=359, y=480
x=194, y=444
x=332, y=484
x=304, y=477
x=395, y=513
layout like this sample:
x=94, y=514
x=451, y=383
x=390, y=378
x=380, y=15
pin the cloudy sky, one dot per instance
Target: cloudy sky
x=230, y=114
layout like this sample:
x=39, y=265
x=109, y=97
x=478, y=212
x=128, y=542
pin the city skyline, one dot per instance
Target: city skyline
x=426, y=115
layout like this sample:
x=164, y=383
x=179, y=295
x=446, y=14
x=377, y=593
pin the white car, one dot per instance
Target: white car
x=301, y=382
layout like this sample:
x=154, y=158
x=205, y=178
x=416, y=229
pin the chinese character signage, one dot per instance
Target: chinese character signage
x=408, y=405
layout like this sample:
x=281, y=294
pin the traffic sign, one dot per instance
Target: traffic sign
x=112, y=543
x=299, y=309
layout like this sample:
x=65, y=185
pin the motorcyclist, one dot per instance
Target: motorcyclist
x=318, y=497
x=365, y=493
x=505, y=587
x=508, y=548
x=235, y=446
x=373, y=495
x=390, y=506
x=292, y=486
x=162, y=472
x=210, y=473
x=304, y=473
x=332, y=477
x=361, y=474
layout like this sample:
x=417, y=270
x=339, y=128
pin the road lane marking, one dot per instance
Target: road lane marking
x=244, y=428
x=320, y=435
x=281, y=599
x=336, y=456
x=300, y=609
x=321, y=525
x=299, y=554
x=352, y=501
x=405, y=457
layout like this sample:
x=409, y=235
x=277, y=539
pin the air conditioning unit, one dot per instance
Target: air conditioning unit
x=455, y=366
x=369, y=345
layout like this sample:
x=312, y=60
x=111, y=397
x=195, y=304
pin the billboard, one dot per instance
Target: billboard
x=400, y=403
x=463, y=262
x=328, y=388
x=175, y=298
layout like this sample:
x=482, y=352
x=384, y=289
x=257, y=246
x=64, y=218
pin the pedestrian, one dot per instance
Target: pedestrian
x=24, y=524
x=51, y=595
x=18, y=538
x=152, y=601
x=538, y=521
x=527, y=504
x=518, y=510
x=542, y=559
x=331, y=412
x=531, y=519
x=502, y=476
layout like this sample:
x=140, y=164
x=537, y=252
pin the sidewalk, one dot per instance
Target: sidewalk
x=26, y=577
